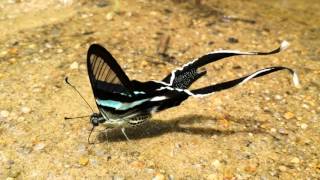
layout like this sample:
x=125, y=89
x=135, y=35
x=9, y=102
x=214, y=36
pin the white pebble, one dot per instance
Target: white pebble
x=278, y=97
x=304, y=126
x=25, y=110
x=74, y=65
x=39, y=147
x=109, y=16
x=4, y=113
x=216, y=163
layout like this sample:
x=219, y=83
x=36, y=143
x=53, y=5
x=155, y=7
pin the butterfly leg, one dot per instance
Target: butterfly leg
x=124, y=133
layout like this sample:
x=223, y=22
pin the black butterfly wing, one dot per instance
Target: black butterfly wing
x=105, y=74
x=184, y=76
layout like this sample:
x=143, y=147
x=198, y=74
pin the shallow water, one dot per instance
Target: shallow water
x=264, y=129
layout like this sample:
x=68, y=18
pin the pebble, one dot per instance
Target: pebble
x=39, y=147
x=149, y=170
x=295, y=160
x=273, y=130
x=232, y=40
x=216, y=163
x=159, y=176
x=102, y=3
x=83, y=160
x=74, y=65
x=13, y=51
x=109, y=16
x=250, y=168
x=60, y=51
x=282, y=168
x=3, y=53
x=278, y=97
x=288, y=115
x=25, y=110
x=304, y=126
x=283, y=131
x=116, y=177
x=4, y=113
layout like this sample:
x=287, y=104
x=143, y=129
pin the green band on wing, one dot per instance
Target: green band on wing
x=120, y=105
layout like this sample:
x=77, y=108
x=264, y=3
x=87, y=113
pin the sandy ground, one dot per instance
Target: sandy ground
x=265, y=129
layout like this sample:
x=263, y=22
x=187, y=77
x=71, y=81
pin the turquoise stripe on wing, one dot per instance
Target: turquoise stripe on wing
x=120, y=105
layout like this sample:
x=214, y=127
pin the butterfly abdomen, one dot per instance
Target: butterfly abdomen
x=138, y=120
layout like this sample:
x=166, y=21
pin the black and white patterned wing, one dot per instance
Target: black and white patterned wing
x=105, y=74
x=229, y=84
x=184, y=76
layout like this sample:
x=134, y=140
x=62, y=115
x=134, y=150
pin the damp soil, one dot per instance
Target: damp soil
x=264, y=129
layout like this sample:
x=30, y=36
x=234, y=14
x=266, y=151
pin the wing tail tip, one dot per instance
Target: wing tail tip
x=284, y=45
x=295, y=79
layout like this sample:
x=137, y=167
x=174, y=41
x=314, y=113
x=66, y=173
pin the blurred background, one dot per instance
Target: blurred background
x=265, y=129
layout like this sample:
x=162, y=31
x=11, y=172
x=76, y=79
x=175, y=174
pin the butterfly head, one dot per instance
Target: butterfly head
x=95, y=119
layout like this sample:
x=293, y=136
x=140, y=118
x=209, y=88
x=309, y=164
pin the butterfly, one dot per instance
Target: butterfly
x=125, y=103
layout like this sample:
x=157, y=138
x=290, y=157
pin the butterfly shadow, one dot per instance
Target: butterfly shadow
x=184, y=124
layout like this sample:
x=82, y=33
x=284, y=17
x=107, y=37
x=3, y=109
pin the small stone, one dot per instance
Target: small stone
x=224, y=123
x=171, y=177
x=304, y=126
x=283, y=131
x=295, y=160
x=278, y=97
x=60, y=51
x=159, y=176
x=216, y=163
x=74, y=65
x=13, y=51
x=102, y=3
x=12, y=60
x=305, y=106
x=39, y=147
x=288, y=115
x=149, y=170
x=144, y=63
x=232, y=40
x=250, y=169
x=4, y=113
x=109, y=16
x=84, y=160
x=3, y=53
x=273, y=130
x=282, y=168
x=212, y=177
x=25, y=110
x=116, y=177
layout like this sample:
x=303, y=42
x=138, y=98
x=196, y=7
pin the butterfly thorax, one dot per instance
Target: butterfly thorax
x=113, y=121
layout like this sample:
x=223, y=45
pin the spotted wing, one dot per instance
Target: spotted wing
x=105, y=74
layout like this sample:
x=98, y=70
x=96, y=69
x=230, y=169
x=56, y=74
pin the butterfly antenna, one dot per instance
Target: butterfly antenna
x=74, y=88
x=90, y=135
x=76, y=117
